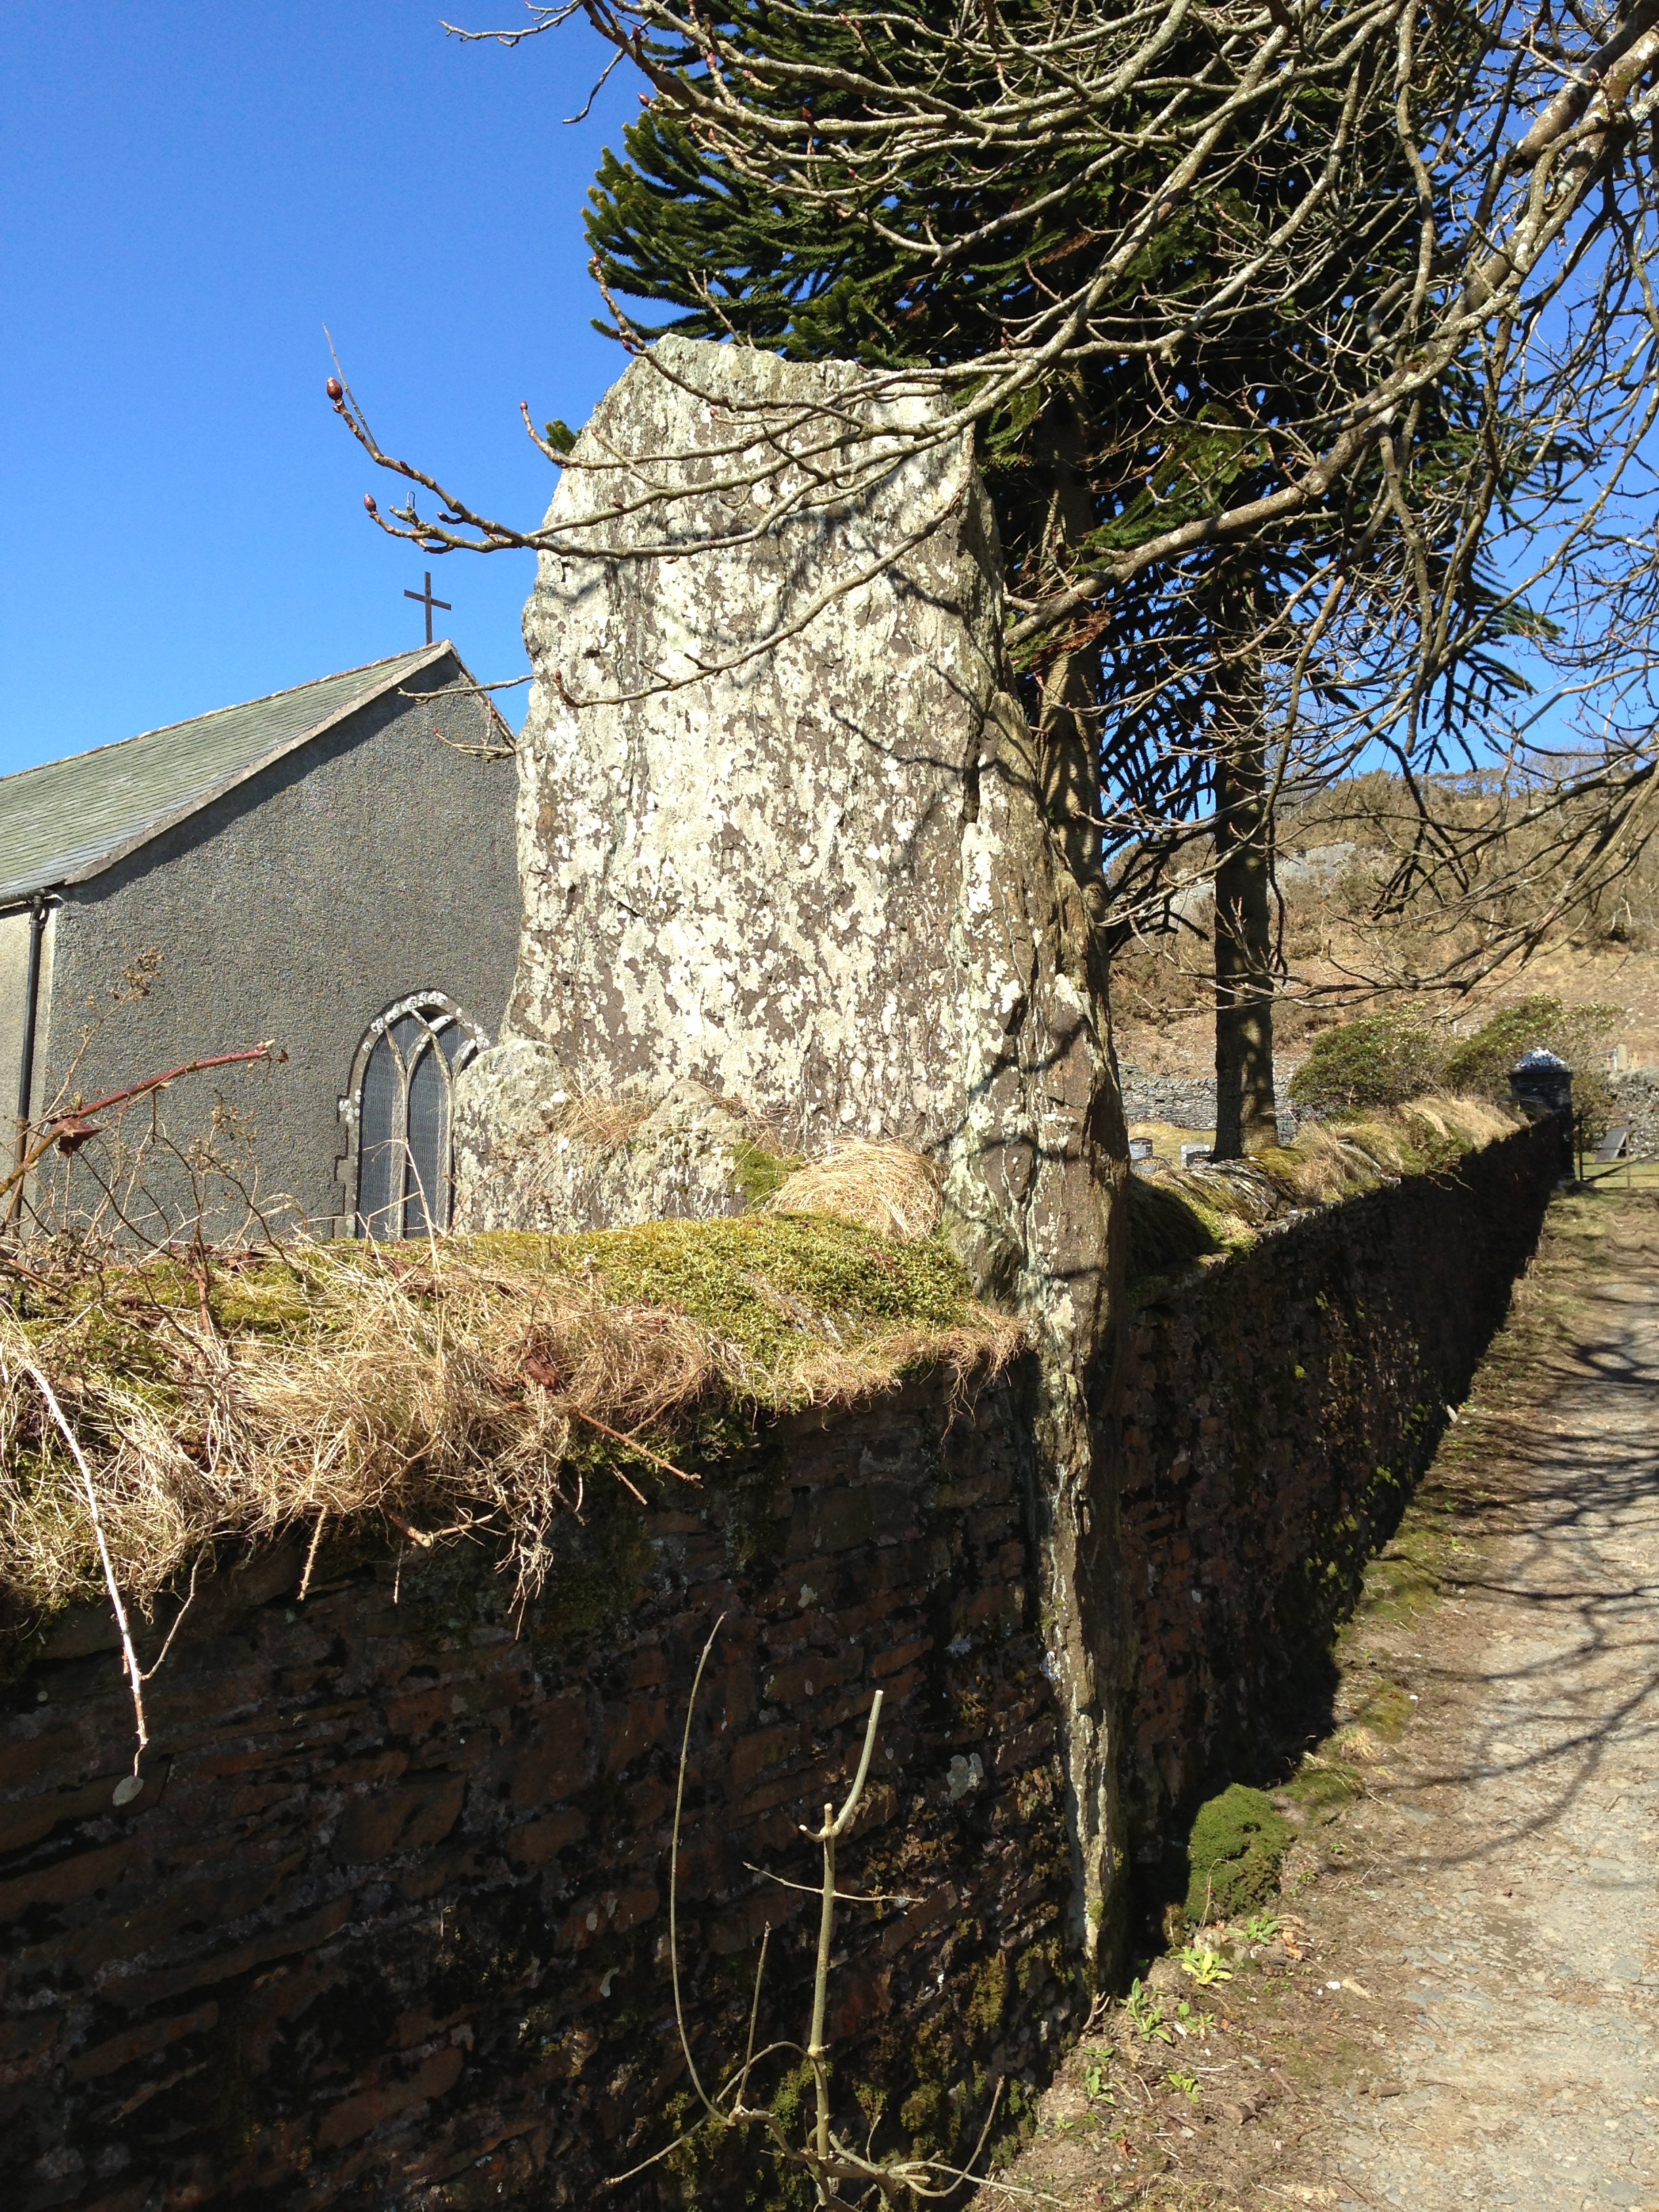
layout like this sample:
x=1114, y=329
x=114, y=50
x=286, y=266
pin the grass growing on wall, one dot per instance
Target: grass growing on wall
x=1191, y=1214
x=476, y=1384
x=472, y=1383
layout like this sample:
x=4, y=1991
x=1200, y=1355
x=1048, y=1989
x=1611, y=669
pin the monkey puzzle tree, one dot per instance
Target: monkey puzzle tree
x=1158, y=699
x=1271, y=324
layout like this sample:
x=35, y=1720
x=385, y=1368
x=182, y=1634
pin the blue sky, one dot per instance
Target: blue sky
x=187, y=194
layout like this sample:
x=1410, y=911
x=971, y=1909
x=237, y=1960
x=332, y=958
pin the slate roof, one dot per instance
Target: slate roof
x=69, y=819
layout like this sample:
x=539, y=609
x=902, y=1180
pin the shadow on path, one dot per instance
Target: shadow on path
x=1503, y=1915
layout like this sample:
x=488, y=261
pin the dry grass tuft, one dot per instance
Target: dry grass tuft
x=1476, y=1120
x=1187, y=1214
x=1337, y=1159
x=605, y=1123
x=886, y=1188
x=477, y=1384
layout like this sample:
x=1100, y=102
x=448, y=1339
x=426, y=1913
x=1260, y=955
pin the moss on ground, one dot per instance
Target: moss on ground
x=1386, y=1712
x=1324, y=1783
x=1234, y=1853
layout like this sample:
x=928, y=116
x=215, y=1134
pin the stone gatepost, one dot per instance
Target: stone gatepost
x=787, y=867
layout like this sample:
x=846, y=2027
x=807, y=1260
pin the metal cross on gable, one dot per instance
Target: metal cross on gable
x=425, y=599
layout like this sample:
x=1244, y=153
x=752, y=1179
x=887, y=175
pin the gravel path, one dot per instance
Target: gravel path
x=1504, y=1919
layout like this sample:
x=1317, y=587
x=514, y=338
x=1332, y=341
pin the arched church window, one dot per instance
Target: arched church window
x=397, y=1115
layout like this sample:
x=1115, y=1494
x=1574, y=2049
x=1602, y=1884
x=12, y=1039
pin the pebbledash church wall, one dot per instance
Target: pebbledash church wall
x=297, y=907
x=387, y=1924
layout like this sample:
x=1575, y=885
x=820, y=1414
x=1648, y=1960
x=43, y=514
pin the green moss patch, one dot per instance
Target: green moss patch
x=761, y=1173
x=1237, y=1844
x=467, y=1383
x=1323, y=1784
x=1169, y=1228
x=759, y=1282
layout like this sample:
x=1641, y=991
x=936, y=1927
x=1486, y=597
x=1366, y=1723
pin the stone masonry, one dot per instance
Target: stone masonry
x=386, y=1927
x=1635, y=1101
x=387, y=1924
x=1276, y=1414
x=1187, y=1102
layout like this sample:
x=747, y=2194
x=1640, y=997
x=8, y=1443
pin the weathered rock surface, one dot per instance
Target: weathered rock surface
x=535, y=1165
x=1636, y=1102
x=754, y=880
x=785, y=834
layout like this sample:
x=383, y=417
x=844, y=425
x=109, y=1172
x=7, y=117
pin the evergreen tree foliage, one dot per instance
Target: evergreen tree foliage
x=1164, y=421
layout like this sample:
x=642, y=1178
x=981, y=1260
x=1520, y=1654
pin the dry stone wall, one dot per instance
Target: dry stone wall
x=387, y=1928
x=387, y=1924
x=1187, y=1102
x=1636, y=1102
x=1276, y=1412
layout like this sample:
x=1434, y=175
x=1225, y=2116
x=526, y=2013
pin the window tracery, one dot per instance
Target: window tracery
x=399, y=1115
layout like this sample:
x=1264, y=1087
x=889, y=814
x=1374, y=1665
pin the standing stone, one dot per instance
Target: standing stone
x=753, y=881
x=788, y=868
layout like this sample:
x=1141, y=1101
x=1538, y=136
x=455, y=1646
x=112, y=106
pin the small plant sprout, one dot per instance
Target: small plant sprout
x=1147, y=2014
x=830, y=2166
x=1096, y=2077
x=1186, y=2083
x=1260, y=1928
x=1205, y=1965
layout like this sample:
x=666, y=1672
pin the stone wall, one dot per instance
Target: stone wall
x=386, y=1927
x=1636, y=1100
x=1277, y=1412
x=1187, y=1102
x=387, y=1924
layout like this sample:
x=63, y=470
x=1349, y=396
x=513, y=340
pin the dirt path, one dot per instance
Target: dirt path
x=1508, y=1919
x=1468, y=2013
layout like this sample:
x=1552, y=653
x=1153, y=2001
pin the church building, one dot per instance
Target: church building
x=331, y=868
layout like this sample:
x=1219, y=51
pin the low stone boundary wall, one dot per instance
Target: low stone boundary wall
x=1277, y=1412
x=387, y=1924
x=386, y=1927
x=1187, y=1102
x=1635, y=1101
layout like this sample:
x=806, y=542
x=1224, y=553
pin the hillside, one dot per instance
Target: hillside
x=1605, y=954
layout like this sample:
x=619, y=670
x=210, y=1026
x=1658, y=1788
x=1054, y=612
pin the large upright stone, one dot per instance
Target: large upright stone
x=792, y=862
x=753, y=880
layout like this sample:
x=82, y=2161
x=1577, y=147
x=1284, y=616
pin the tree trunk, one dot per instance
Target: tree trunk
x=1068, y=720
x=1246, y=1113
x=1039, y=1183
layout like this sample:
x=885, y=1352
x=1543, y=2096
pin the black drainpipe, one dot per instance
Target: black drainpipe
x=26, y=1065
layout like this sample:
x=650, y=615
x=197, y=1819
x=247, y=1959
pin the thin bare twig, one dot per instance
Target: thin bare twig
x=130, y=1657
